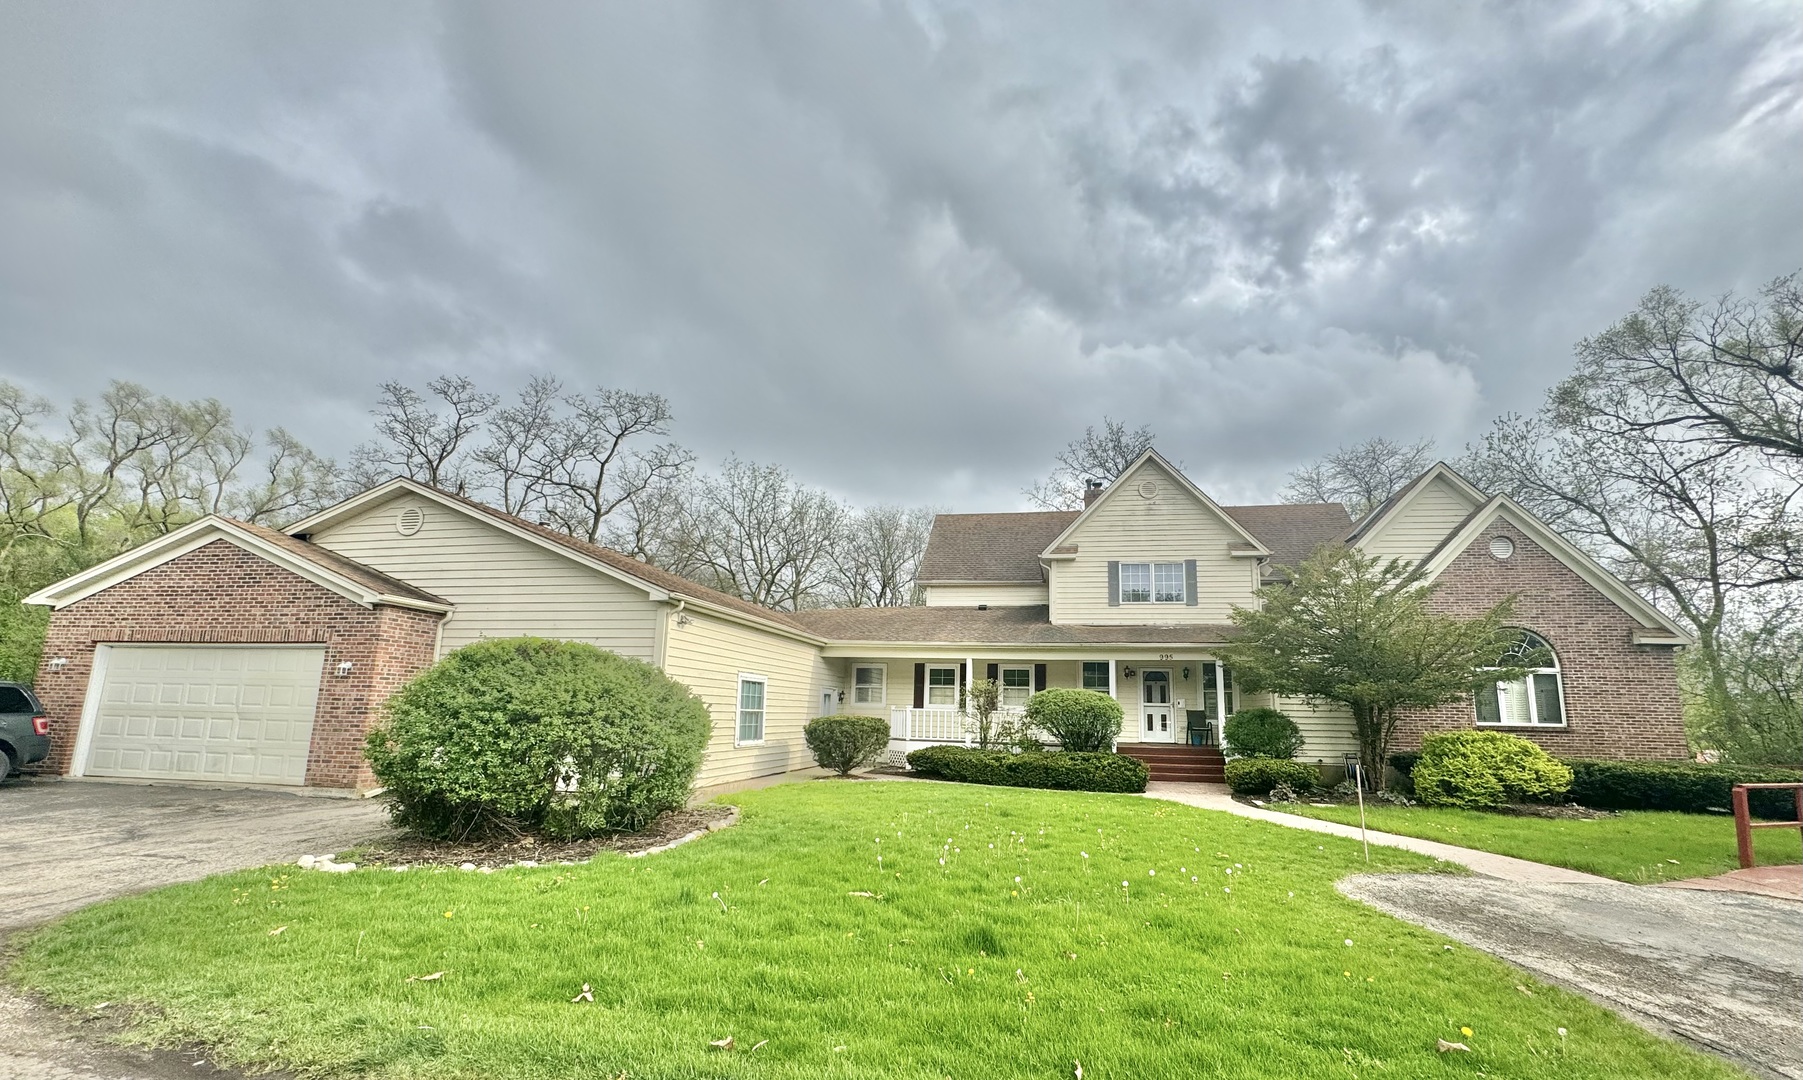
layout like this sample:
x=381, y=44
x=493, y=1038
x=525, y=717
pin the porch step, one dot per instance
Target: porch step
x=1179, y=763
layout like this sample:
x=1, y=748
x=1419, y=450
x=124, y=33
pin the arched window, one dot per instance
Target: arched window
x=1537, y=700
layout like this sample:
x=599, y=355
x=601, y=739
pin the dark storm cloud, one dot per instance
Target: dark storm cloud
x=906, y=249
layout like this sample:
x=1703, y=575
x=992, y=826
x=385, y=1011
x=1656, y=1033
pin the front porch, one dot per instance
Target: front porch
x=1168, y=699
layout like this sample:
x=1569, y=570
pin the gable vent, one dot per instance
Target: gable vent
x=410, y=521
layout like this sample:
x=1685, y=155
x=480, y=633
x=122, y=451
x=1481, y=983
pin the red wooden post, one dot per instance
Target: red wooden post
x=1743, y=825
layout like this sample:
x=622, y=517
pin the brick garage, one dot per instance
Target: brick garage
x=1621, y=699
x=221, y=594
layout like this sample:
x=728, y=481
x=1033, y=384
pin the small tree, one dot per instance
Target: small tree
x=981, y=700
x=843, y=743
x=1351, y=628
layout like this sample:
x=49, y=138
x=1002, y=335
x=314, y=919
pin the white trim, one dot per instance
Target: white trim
x=1438, y=470
x=90, y=711
x=926, y=686
x=1183, y=482
x=196, y=535
x=739, y=710
x=882, y=688
x=1506, y=509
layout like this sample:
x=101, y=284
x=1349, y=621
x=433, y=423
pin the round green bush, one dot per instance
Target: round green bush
x=1258, y=775
x=1081, y=721
x=1264, y=733
x=843, y=743
x=529, y=735
x=1483, y=769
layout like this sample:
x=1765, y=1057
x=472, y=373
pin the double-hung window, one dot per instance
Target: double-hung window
x=868, y=683
x=1095, y=675
x=1152, y=583
x=942, y=685
x=751, y=709
x=1017, y=686
x=1536, y=700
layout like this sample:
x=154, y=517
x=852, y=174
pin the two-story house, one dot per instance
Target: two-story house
x=230, y=652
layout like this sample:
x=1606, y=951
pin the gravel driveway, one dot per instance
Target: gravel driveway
x=69, y=844
x=1723, y=971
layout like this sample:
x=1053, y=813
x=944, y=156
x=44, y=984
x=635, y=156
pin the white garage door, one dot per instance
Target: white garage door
x=199, y=712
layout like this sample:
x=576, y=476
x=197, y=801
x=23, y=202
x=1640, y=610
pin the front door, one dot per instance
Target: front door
x=1155, y=707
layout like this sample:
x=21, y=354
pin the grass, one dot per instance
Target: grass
x=1640, y=846
x=1007, y=933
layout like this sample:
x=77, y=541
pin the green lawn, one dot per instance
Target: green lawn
x=1009, y=934
x=1640, y=846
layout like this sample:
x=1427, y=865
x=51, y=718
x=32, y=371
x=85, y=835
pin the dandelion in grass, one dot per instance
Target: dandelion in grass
x=1465, y=1031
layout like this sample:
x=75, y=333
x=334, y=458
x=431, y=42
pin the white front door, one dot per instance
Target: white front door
x=829, y=702
x=1155, y=707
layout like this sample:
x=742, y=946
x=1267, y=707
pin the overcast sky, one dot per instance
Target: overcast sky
x=908, y=250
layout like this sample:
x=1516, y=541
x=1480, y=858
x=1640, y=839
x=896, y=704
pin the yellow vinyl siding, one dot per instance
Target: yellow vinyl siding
x=1326, y=725
x=502, y=585
x=1433, y=512
x=708, y=656
x=995, y=594
x=1170, y=527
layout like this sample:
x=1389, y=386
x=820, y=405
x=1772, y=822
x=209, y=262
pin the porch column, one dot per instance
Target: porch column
x=1220, y=701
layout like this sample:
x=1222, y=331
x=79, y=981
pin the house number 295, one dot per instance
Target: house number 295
x=1167, y=656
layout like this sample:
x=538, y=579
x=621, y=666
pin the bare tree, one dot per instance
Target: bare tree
x=875, y=561
x=423, y=440
x=1096, y=455
x=518, y=437
x=754, y=532
x=1360, y=476
x=593, y=464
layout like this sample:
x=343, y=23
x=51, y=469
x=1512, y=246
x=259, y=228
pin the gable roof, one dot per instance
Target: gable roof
x=1252, y=545
x=348, y=578
x=1385, y=512
x=991, y=627
x=657, y=582
x=1007, y=547
x=990, y=547
x=1663, y=630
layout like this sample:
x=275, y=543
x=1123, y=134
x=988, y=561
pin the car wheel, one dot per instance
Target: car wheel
x=9, y=765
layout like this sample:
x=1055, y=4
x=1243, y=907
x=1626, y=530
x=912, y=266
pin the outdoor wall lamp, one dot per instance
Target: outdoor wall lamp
x=841, y=697
x=1126, y=673
x=58, y=664
x=344, y=668
x=1186, y=673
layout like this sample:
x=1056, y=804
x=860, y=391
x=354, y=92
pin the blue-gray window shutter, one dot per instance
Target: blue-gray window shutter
x=1114, y=583
x=1189, y=582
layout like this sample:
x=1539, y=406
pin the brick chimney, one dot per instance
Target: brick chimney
x=1092, y=491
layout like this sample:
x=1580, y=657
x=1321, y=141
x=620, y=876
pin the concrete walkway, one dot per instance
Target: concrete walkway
x=1503, y=867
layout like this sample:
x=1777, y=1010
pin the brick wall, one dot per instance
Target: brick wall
x=1621, y=699
x=222, y=594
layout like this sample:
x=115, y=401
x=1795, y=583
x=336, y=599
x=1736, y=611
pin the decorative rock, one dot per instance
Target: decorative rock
x=305, y=862
x=527, y=863
x=467, y=866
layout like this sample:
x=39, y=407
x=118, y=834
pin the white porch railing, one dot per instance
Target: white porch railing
x=941, y=723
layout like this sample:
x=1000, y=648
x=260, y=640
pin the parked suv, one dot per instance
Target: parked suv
x=24, y=729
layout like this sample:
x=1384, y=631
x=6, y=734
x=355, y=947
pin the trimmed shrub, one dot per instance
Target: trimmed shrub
x=1680, y=785
x=1263, y=733
x=1062, y=770
x=1081, y=721
x=1258, y=775
x=1482, y=769
x=520, y=735
x=843, y=743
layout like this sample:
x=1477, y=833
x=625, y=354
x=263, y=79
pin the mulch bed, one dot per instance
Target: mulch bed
x=409, y=850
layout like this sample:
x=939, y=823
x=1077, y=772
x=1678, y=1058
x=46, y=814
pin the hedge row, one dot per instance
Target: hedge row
x=1665, y=785
x=1060, y=770
x=1679, y=785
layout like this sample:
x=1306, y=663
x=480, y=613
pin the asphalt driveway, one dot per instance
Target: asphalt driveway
x=1721, y=970
x=72, y=843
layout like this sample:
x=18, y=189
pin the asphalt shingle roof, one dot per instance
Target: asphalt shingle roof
x=1006, y=547
x=998, y=626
